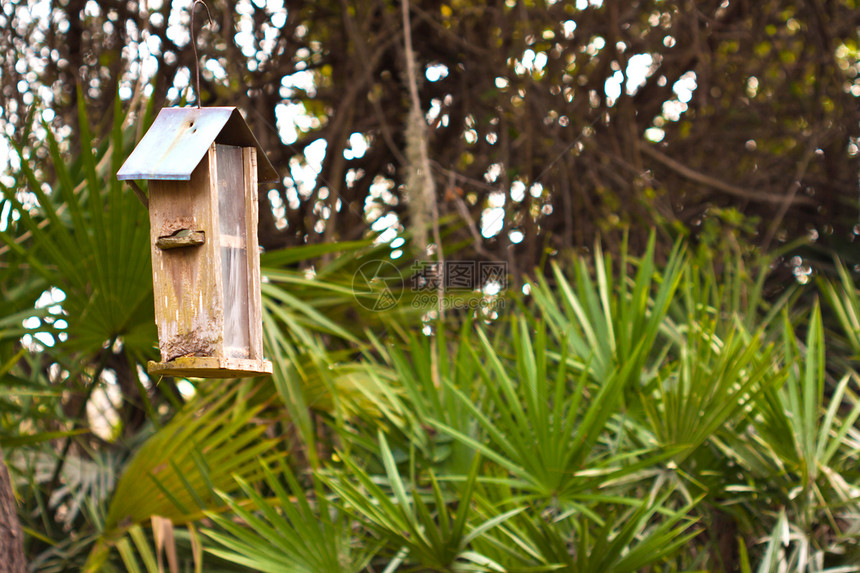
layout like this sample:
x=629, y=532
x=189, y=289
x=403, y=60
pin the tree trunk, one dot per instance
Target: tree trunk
x=11, y=536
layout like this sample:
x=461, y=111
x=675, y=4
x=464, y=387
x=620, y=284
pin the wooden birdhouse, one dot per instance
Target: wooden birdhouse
x=203, y=166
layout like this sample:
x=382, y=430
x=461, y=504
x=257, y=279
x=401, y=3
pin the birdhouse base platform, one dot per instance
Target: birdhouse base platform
x=210, y=367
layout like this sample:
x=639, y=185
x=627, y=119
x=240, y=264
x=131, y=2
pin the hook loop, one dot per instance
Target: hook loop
x=194, y=44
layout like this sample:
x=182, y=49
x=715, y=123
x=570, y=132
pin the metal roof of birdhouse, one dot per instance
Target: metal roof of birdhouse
x=179, y=138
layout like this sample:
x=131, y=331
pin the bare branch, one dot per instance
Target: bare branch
x=718, y=184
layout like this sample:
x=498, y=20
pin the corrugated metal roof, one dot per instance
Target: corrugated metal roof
x=180, y=136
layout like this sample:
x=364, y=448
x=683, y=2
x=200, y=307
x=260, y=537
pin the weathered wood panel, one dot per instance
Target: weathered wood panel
x=251, y=221
x=186, y=281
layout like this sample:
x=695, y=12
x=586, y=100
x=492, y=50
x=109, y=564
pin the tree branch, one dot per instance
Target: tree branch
x=719, y=185
x=11, y=536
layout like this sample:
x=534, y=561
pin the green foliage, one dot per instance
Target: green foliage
x=400, y=515
x=298, y=536
x=576, y=469
x=543, y=431
x=89, y=238
x=614, y=420
x=610, y=322
x=175, y=474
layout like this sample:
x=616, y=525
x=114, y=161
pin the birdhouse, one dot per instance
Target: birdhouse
x=203, y=165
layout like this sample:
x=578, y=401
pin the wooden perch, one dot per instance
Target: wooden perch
x=183, y=238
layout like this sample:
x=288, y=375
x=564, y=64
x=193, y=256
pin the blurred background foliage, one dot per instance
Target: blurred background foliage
x=548, y=122
x=665, y=380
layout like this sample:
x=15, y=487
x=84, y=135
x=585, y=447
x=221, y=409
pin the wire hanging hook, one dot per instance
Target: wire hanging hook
x=194, y=44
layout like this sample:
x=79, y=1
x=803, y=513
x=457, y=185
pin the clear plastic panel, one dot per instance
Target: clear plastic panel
x=234, y=258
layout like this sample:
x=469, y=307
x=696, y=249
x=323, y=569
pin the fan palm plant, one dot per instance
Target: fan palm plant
x=72, y=237
x=615, y=420
x=89, y=238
